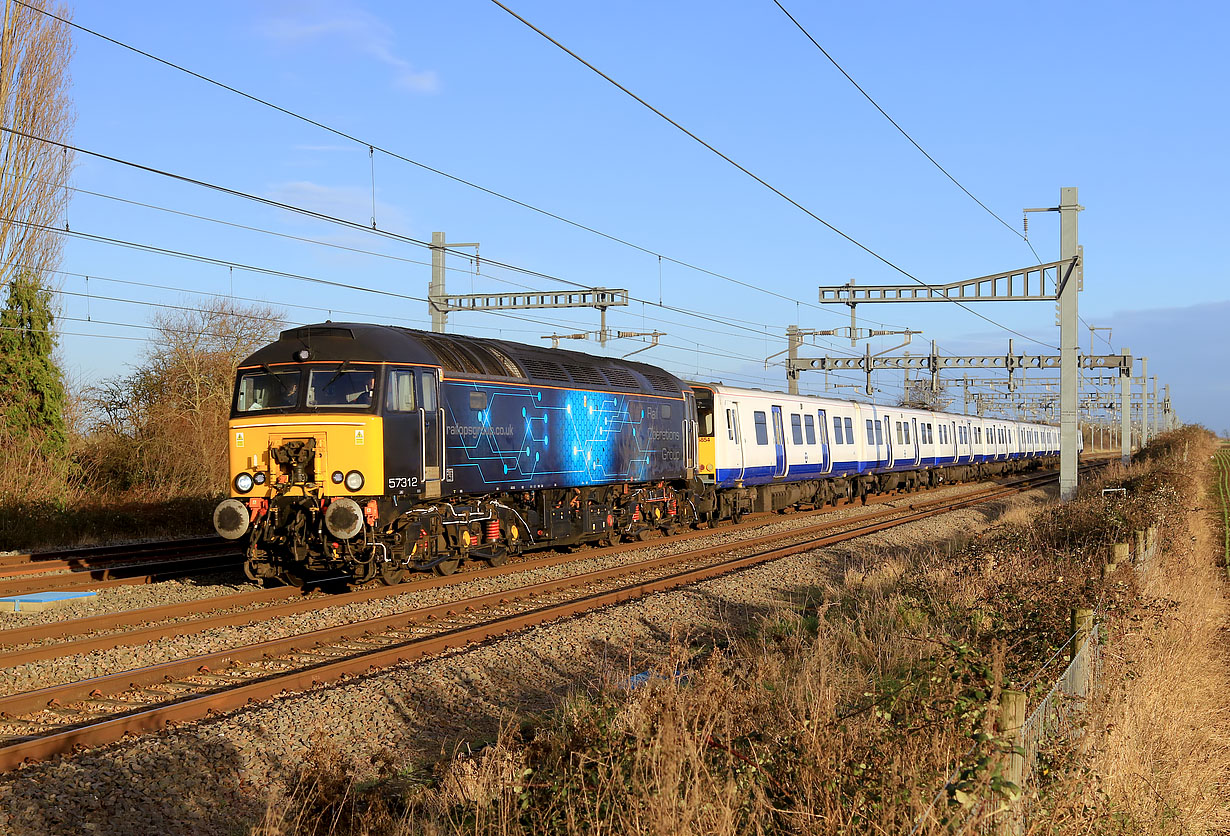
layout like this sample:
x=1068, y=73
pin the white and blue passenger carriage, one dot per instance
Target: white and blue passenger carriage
x=769, y=451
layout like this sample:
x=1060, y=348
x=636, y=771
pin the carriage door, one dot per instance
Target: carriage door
x=823, y=430
x=733, y=435
x=914, y=441
x=779, y=442
x=431, y=428
x=690, y=430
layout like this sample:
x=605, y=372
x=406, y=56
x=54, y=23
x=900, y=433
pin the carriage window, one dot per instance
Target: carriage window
x=837, y=430
x=809, y=427
x=905, y=431
x=796, y=429
x=879, y=434
x=897, y=426
x=262, y=390
x=871, y=433
x=730, y=425
x=762, y=427
x=401, y=391
x=849, y=431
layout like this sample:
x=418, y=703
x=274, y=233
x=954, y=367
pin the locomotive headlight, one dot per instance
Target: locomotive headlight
x=243, y=482
x=259, y=478
x=354, y=480
x=337, y=477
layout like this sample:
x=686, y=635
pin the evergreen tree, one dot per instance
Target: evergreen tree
x=31, y=384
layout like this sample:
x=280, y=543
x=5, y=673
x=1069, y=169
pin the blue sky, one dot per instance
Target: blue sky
x=1125, y=101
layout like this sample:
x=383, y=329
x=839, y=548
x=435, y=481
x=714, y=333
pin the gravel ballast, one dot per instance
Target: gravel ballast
x=215, y=776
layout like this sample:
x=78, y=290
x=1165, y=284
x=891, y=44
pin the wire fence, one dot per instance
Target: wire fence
x=1058, y=719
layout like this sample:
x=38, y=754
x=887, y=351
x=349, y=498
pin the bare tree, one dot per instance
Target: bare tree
x=167, y=420
x=35, y=51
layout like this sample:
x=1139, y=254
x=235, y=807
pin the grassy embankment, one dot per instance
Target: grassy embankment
x=846, y=710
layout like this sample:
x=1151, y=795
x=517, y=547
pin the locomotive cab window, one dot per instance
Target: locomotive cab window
x=400, y=397
x=267, y=390
x=341, y=387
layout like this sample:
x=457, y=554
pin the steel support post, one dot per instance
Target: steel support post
x=793, y=339
x=1069, y=348
x=1157, y=418
x=439, y=314
x=1144, y=402
x=1125, y=410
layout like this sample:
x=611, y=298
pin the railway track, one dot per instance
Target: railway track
x=110, y=566
x=41, y=723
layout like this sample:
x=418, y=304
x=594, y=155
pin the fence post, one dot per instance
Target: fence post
x=1011, y=719
x=1140, y=546
x=1082, y=625
x=1151, y=535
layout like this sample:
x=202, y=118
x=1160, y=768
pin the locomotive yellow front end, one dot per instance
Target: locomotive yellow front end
x=306, y=467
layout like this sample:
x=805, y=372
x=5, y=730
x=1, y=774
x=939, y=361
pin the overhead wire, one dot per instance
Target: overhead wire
x=355, y=225
x=865, y=248
x=312, y=279
x=900, y=129
x=372, y=147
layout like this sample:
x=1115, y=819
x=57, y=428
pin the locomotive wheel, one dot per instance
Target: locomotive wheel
x=736, y=517
x=447, y=567
x=498, y=559
x=644, y=534
x=391, y=574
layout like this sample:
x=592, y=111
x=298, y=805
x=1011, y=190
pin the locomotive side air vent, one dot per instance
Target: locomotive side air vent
x=449, y=358
x=660, y=382
x=545, y=370
x=469, y=356
x=510, y=368
x=586, y=375
x=622, y=378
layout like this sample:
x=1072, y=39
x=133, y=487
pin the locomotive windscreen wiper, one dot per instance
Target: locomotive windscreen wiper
x=337, y=373
x=276, y=378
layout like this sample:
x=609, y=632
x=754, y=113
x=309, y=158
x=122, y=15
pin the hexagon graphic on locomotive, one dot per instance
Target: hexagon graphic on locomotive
x=501, y=437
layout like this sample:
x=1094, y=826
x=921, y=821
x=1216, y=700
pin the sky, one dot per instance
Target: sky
x=1125, y=101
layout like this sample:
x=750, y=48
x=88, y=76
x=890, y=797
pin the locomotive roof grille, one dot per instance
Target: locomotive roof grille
x=546, y=370
x=660, y=383
x=622, y=378
x=587, y=375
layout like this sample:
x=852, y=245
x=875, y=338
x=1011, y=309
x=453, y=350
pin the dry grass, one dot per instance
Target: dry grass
x=1158, y=751
x=848, y=709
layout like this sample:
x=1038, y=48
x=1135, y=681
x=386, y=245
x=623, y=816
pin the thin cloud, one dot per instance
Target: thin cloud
x=349, y=202
x=357, y=29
